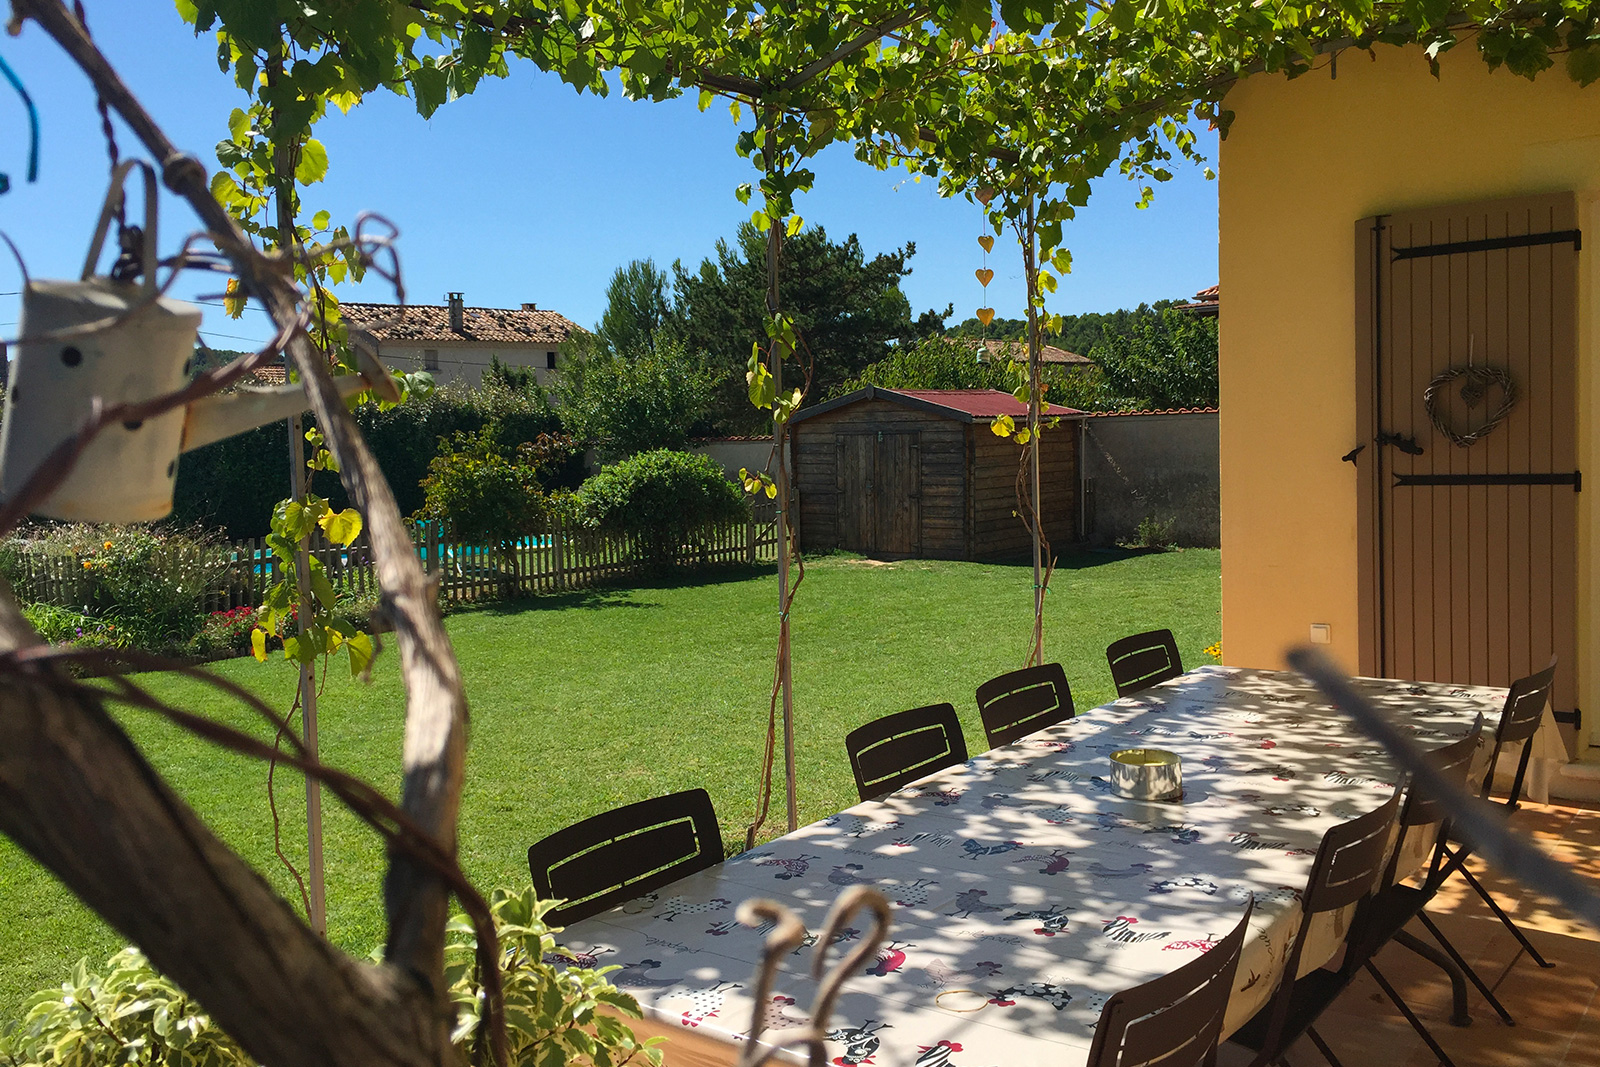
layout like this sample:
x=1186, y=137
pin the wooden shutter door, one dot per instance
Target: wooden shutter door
x=1469, y=554
x=856, y=514
x=899, y=493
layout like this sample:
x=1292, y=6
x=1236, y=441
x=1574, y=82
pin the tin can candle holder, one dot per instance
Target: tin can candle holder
x=1147, y=774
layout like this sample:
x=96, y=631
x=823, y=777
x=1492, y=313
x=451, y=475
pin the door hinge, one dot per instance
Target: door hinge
x=1569, y=718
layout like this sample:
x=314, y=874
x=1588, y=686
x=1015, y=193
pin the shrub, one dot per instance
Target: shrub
x=224, y=632
x=60, y=625
x=549, y=1001
x=1153, y=533
x=636, y=401
x=133, y=1015
x=1169, y=361
x=660, y=498
x=486, y=494
x=151, y=583
x=236, y=482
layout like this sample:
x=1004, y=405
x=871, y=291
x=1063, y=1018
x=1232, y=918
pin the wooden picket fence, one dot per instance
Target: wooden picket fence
x=564, y=557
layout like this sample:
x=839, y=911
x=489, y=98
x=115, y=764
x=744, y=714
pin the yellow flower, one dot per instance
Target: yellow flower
x=87, y=564
x=108, y=546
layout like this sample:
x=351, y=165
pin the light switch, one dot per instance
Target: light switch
x=1321, y=633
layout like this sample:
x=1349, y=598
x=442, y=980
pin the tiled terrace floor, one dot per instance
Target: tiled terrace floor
x=1557, y=1011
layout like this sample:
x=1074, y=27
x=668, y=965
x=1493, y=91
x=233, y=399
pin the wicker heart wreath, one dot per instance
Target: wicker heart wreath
x=1475, y=380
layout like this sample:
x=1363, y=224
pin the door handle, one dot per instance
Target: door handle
x=1408, y=445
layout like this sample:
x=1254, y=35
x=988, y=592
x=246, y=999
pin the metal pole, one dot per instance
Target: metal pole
x=775, y=359
x=1031, y=256
x=780, y=432
x=315, y=887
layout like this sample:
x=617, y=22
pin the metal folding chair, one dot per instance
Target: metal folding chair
x=1143, y=660
x=1019, y=703
x=1174, y=1020
x=1345, y=871
x=625, y=853
x=887, y=753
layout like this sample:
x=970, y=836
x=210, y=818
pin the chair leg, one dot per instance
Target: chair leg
x=1467, y=969
x=1505, y=919
x=1411, y=1016
x=1322, y=1047
x=1458, y=981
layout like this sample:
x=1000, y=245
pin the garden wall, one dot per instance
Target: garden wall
x=731, y=453
x=1156, y=465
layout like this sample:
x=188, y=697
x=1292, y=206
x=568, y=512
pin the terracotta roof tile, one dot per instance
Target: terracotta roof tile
x=1162, y=411
x=1018, y=351
x=431, y=322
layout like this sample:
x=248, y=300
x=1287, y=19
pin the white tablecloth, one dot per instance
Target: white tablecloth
x=1025, y=892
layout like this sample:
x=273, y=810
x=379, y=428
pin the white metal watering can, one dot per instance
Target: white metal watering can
x=126, y=473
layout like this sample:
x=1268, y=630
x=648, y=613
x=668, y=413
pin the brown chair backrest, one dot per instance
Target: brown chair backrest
x=625, y=853
x=1143, y=660
x=1174, y=1020
x=1422, y=808
x=1454, y=761
x=887, y=753
x=1019, y=703
x=1519, y=721
x=1348, y=864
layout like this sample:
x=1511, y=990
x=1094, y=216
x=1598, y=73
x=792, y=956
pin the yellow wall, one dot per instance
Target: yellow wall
x=1303, y=161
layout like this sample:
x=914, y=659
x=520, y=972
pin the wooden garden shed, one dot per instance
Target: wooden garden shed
x=919, y=473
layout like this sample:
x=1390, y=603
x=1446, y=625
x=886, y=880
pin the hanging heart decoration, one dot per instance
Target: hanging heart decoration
x=984, y=195
x=984, y=276
x=986, y=242
x=1475, y=382
x=986, y=315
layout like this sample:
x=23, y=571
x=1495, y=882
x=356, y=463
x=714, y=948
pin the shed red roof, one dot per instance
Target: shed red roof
x=979, y=403
x=962, y=405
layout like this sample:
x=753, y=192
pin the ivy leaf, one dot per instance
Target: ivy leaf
x=322, y=589
x=313, y=165
x=1583, y=65
x=361, y=654
x=233, y=299
x=341, y=527
x=785, y=406
x=763, y=390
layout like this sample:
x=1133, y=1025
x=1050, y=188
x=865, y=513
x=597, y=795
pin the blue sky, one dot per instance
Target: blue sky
x=526, y=191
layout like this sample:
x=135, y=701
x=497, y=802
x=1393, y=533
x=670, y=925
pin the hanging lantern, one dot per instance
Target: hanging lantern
x=137, y=346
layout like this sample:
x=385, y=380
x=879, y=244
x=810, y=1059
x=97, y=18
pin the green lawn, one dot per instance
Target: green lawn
x=590, y=700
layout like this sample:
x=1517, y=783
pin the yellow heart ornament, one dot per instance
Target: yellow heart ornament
x=986, y=242
x=984, y=276
x=986, y=315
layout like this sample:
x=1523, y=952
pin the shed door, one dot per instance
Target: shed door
x=880, y=481
x=1471, y=555
x=899, y=494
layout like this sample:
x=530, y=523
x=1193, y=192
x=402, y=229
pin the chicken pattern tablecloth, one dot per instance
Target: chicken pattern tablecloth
x=1025, y=892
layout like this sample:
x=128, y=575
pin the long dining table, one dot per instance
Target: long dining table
x=1024, y=891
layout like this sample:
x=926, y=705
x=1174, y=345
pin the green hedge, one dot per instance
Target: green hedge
x=659, y=497
x=234, y=483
